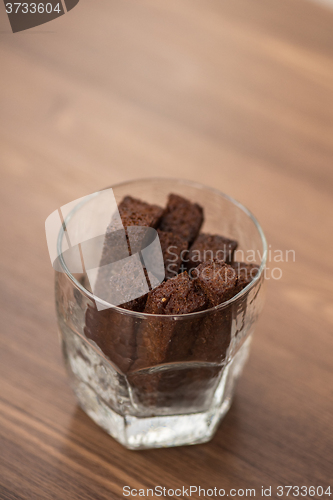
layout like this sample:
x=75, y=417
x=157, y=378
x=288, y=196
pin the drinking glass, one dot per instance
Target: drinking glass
x=182, y=401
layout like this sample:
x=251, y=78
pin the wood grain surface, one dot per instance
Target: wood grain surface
x=235, y=94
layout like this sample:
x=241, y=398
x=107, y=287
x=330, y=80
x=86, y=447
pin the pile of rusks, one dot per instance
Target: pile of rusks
x=192, y=283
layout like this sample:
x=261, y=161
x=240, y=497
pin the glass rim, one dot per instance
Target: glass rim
x=178, y=317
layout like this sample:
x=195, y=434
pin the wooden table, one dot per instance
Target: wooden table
x=234, y=94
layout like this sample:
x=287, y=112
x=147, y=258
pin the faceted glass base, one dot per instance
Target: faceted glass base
x=94, y=382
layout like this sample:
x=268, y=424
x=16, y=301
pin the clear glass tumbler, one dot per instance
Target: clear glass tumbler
x=176, y=403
